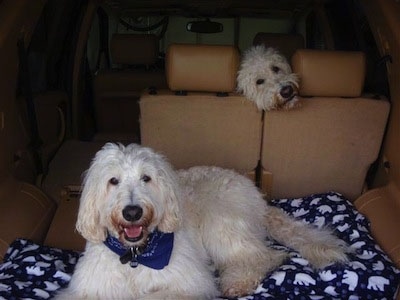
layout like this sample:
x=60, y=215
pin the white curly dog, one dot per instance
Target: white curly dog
x=265, y=77
x=156, y=233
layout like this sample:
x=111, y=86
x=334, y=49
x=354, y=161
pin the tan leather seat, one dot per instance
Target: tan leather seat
x=331, y=141
x=381, y=207
x=200, y=120
x=25, y=212
x=117, y=90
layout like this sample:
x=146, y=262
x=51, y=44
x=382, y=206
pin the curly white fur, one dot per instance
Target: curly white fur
x=216, y=215
x=266, y=78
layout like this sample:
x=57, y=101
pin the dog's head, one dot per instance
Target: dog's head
x=265, y=77
x=128, y=192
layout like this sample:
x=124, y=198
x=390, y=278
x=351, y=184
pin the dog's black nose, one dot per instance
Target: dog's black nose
x=132, y=213
x=286, y=91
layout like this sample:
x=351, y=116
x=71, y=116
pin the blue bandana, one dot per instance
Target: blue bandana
x=155, y=255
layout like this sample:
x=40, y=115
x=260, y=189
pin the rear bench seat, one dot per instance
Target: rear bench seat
x=117, y=90
x=332, y=140
x=327, y=144
x=200, y=120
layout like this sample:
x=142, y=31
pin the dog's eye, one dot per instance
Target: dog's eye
x=275, y=69
x=146, y=178
x=260, y=81
x=113, y=181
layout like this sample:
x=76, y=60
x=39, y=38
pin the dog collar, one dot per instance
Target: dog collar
x=155, y=255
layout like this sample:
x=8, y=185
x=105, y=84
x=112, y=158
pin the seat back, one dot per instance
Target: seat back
x=331, y=141
x=200, y=120
x=117, y=90
x=287, y=44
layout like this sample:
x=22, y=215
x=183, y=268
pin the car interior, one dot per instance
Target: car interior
x=77, y=74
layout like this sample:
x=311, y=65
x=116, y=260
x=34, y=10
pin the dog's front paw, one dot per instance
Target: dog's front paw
x=321, y=255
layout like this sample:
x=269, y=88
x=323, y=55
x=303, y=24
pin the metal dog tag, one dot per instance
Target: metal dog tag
x=134, y=263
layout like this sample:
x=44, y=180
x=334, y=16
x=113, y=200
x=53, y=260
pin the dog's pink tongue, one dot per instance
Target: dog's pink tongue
x=133, y=231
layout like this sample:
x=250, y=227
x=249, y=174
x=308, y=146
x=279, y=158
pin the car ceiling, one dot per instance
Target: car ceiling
x=211, y=8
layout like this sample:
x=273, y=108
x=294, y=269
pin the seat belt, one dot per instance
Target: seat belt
x=26, y=91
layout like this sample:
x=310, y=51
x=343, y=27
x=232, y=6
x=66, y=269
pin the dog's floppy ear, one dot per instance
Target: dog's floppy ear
x=88, y=222
x=171, y=218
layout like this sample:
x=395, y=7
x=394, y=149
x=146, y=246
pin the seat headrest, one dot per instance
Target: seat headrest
x=287, y=44
x=134, y=49
x=326, y=73
x=209, y=68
